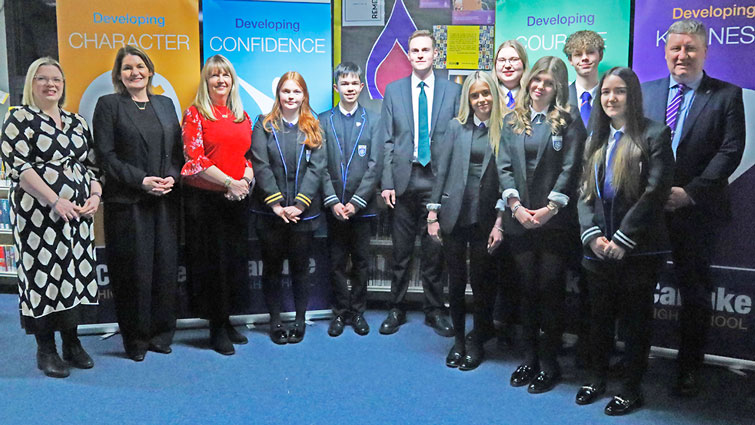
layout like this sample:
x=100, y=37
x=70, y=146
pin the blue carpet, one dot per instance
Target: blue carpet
x=374, y=379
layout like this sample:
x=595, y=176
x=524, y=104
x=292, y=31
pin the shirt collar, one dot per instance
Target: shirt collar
x=505, y=90
x=294, y=122
x=581, y=90
x=693, y=85
x=534, y=113
x=477, y=121
x=345, y=112
x=429, y=81
x=614, y=131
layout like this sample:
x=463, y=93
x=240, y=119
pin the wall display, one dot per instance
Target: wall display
x=362, y=13
x=464, y=46
x=264, y=39
x=730, y=56
x=91, y=32
x=434, y=4
x=473, y=12
x=542, y=26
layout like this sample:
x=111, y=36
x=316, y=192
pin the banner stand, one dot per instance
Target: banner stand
x=108, y=329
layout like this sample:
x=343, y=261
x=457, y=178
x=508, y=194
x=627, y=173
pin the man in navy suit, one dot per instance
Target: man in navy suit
x=415, y=116
x=706, y=116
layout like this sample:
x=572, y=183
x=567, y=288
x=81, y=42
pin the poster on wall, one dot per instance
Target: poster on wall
x=363, y=13
x=91, y=32
x=464, y=46
x=542, y=26
x=265, y=39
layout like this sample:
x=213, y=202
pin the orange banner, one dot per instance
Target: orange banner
x=91, y=32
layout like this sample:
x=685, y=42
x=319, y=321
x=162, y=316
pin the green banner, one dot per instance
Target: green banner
x=543, y=25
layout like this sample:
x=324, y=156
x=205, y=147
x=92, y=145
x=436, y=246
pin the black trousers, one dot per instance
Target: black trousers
x=142, y=247
x=622, y=290
x=481, y=274
x=507, y=286
x=217, y=245
x=409, y=220
x=692, y=237
x=280, y=241
x=346, y=239
x=541, y=257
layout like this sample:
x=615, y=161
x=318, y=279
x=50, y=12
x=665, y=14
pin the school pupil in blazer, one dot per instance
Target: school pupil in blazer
x=540, y=160
x=138, y=144
x=289, y=158
x=627, y=178
x=462, y=213
x=350, y=181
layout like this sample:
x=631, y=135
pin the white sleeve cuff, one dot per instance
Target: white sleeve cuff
x=433, y=207
x=559, y=198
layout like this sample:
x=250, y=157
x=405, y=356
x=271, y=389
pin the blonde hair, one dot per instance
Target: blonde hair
x=308, y=124
x=28, y=95
x=202, y=100
x=558, y=116
x=495, y=121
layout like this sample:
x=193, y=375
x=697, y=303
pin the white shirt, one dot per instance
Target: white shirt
x=581, y=90
x=429, y=88
x=534, y=113
x=504, y=93
x=345, y=112
x=612, y=141
x=477, y=121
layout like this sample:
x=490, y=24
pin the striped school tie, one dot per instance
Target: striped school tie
x=672, y=110
x=510, y=103
x=585, y=107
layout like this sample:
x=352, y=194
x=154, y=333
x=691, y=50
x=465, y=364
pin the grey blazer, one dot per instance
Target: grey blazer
x=397, y=125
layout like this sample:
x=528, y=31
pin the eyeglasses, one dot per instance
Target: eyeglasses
x=511, y=61
x=46, y=80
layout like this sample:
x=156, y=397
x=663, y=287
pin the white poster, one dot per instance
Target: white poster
x=363, y=13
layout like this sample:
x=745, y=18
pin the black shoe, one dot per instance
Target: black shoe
x=235, y=336
x=473, y=357
x=52, y=365
x=523, y=375
x=278, y=334
x=136, y=355
x=336, y=326
x=454, y=357
x=440, y=324
x=77, y=357
x=296, y=332
x=160, y=348
x=621, y=405
x=544, y=382
x=391, y=323
x=360, y=324
x=220, y=341
x=687, y=384
x=589, y=393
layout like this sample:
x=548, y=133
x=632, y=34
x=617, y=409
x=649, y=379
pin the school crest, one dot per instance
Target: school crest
x=362, y=150
x=558, y=143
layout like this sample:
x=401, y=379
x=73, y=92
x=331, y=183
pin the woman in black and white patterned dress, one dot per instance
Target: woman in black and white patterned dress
x=53, y=200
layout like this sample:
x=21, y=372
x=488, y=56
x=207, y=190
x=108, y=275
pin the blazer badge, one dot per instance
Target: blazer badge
x=558, y=143
x=362, y=150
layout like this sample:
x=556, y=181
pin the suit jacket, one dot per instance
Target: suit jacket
x=556, y=176
x=121, y=146
x=276, y=185
x=574, y=101
x=397, y=123
x=637, y=225
x=352, y=176
x=712, y=140
x=451, y=181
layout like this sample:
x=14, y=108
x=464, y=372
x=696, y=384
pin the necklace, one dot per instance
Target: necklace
x=142, y=107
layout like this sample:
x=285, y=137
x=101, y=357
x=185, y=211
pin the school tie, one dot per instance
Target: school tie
x=538, y=119
x=585, y=107
x=510, y=102
x=481, y=126
x=423, y=136
x=672, y=110
x=608, y=189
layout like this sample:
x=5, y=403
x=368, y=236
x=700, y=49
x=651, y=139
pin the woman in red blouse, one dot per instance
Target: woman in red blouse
x=217, y=136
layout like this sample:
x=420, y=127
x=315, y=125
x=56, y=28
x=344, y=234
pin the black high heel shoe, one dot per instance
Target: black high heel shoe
x=278, y=334
x=296, y=333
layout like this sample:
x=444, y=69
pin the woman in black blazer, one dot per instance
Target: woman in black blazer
x=627, y=179
x=138, y=144
x=539, y=160
x=289, y=158
x=462, y=209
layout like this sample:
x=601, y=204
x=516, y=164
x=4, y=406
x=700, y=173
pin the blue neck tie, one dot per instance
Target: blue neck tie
x=585, y=107
x=423, y=135
x=608, y=190
x=510, y=103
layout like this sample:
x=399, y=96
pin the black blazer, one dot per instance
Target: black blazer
x=121, y=146
x=575, y=102
x=352, y=176
x=453, y=170
x=397, y=124
x=712, y=140
x=556, y=176
x=637, y=225
x=300, y=186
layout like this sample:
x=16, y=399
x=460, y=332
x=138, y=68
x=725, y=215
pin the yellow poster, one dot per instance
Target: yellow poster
x=91, y=32
x=463, y=47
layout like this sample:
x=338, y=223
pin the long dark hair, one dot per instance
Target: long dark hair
x=633, y=149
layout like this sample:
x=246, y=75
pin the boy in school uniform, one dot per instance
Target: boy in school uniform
x=349, y=189
x=584, y=50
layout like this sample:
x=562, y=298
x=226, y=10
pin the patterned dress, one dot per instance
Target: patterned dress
x=56, y=259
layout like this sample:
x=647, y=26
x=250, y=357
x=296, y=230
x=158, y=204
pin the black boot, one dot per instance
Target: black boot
x=73, y=352
x=219, y=339
x=48, y=360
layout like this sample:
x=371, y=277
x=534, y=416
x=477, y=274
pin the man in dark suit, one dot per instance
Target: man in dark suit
x=349, y=185
x=707, y=120
x=584, y=50
x=415, y=116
